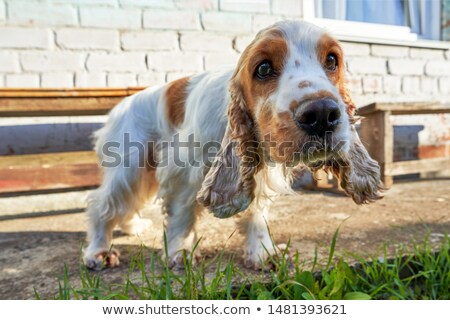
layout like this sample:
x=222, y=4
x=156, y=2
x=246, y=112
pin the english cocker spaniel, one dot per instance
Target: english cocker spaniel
x=228, y=142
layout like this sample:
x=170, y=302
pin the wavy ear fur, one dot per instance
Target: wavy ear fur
x=358, y=173
x=346, y=97
x=229, y=185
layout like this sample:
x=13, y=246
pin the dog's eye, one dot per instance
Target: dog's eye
x=331, y=62
x=264, y=70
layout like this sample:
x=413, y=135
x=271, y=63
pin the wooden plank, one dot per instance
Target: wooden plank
x=416, y=166
x=377, y=136
x=27, y=107
x=61, y=102
x=47, y=159
x=52, y=171
x=49, y=178
x=405, y=108
x=67, y=92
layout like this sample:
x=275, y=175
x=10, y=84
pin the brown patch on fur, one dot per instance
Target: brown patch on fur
x=304, y=84
x=280, y=134
x=176, y=94
x=328, y=45
x=293, y=105
x=268, y=45
x=321, y=94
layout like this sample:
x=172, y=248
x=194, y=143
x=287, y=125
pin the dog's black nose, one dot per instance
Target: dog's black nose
x=319, y=116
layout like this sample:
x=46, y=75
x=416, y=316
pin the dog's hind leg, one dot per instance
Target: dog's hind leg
x=123, y=192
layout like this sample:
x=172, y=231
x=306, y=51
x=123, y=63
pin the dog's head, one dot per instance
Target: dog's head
x=289, y=104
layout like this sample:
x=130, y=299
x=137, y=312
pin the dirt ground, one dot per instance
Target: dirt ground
x=38, y=234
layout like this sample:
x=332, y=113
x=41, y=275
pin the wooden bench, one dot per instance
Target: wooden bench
x=54, y=171
x=377, y=135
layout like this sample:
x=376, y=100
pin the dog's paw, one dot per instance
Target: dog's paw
x=266, y=259
x=102, y=259
x=176, y=261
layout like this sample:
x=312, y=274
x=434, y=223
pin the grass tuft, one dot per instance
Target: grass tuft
x=418, y=272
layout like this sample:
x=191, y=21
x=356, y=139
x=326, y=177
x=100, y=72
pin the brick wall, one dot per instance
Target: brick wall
x=85, y=43
x=97, y=43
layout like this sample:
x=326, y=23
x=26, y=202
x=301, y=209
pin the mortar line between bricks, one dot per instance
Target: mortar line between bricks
x=200, y=19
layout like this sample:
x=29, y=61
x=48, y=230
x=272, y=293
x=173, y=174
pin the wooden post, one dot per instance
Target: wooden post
x=378, y=137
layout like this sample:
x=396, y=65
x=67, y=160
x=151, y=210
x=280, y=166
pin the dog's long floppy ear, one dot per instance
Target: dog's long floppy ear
x=347, y=98
x=229, y=185
x=357, y=172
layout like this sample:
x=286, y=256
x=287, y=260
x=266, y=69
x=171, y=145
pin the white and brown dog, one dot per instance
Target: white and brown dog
x=286, y=103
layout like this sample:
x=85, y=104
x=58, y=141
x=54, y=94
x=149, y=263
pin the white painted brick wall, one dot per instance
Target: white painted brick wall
x=405, y=67
x=254, y=6
x=25, y=38
x=199, y=5
x=287, y=7
x=175, y=61
x=116, y=62
x=389, y=51
x=262, y=21
x=171, y=19
x=149, y=40
x=111, y=18
x=372, y=84
x=57, y=80
x=91, y=39
x=437, y=68
x=430, y=85
x=444, y=85
x=9, y=62
x=220, y=61
x=411, y=84
x=227, y=22
x=205, y=41
x=354, y=84
x=419, y=53
x=151, y=78
x=122, y=80
x=52, y=61
x=22, y=80
x=163, y=4
x=367, y=66
x=355, y=49
x=2, y=12
x=110, y=3
x=90, y=80
x=31, y=13
x=392, y=84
